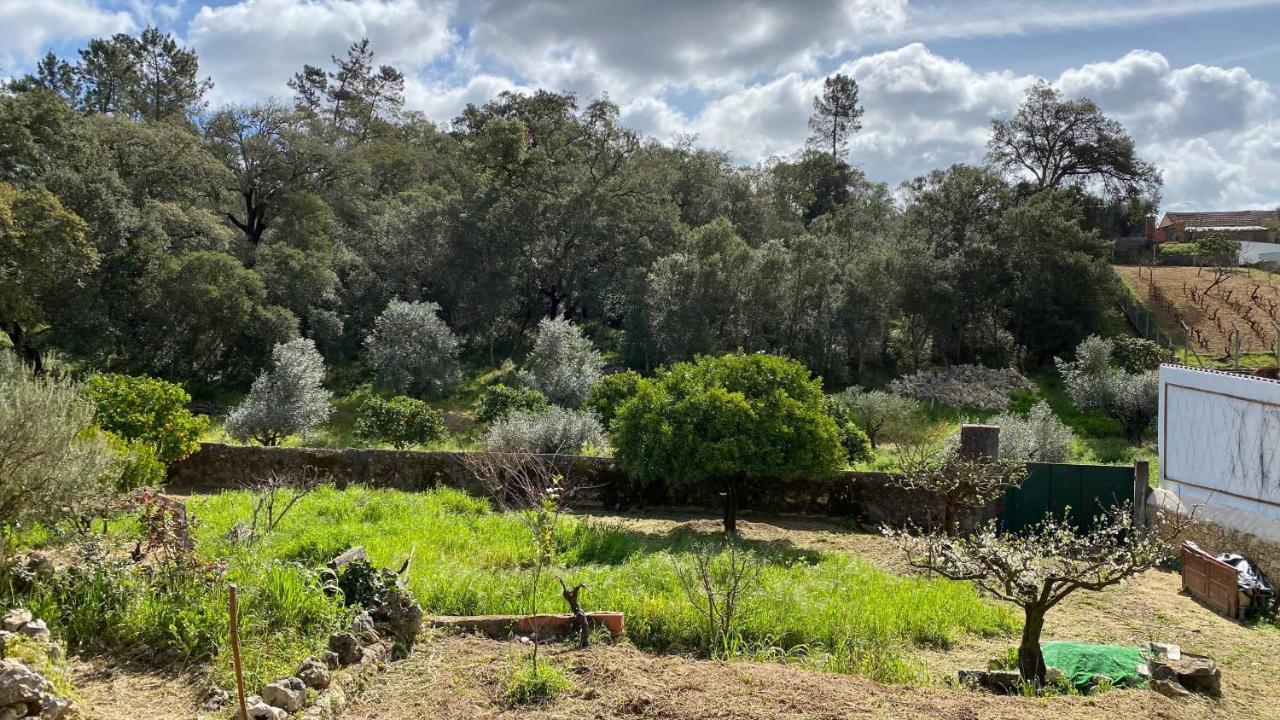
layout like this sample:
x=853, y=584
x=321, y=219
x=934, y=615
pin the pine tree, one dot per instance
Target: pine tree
x=836, y=115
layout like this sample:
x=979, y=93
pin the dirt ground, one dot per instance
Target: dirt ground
x=1248, y=300
x=461, y=677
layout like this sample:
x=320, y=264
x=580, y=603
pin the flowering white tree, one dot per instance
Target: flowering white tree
x=563, y=363
x=1038, y=568
x=287, y=399
x=413, y=350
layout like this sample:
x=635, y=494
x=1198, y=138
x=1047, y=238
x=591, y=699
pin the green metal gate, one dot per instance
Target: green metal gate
x=1088, y=490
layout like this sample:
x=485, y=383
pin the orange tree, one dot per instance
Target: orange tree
x=729, y=420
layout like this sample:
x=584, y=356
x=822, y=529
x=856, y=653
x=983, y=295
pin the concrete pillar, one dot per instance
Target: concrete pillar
x=980, y=441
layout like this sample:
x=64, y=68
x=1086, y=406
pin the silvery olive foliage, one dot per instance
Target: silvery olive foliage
x=1037, y=568
x=288, y=399
x=413, y=351
x=563, y=363
x=556, y=430
x=883, y=416
x=1038, y=436
x=1093, y=384
x=53, y=462
x=963, y=386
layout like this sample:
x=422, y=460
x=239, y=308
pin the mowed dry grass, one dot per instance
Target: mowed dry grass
x=461, y=677
x=1248, y=300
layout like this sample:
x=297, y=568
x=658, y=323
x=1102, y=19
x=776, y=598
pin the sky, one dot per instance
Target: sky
x=1195, y=81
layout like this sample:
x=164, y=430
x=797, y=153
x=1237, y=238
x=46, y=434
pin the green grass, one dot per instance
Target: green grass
x=529, y=684
x=825, y=609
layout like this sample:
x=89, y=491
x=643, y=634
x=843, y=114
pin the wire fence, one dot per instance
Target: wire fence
x=1144, y=320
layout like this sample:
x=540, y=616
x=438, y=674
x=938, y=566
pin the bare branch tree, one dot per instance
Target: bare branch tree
x=961, y=481
x=715, y=582
x=275, y=495
x=1039, y=568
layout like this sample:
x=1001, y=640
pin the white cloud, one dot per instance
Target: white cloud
x=252, y=48
x=28, y=28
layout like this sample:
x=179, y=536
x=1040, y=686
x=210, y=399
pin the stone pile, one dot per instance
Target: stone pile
x=24, y=692
x=1176, y=674
x=963, y=386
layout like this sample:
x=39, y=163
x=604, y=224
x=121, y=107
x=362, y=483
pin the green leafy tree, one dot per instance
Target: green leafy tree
x=44, y=251
x=730, y=420
x=881, y=415
x=836, y=115
x=499, y=400
x=610, y=393
x=1058, y=141
x=147, y=410
x=402, y=421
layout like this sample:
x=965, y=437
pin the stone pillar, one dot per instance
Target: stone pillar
x=980, y=441
x=1141, y=489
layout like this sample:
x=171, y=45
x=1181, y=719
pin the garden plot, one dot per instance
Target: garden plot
x=1246, y=304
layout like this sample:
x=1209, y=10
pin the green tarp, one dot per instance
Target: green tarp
x=1080, y=662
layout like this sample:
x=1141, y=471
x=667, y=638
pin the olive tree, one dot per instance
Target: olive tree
x=728, y=420
x=54, y=464
x=881, y=415
x=285, y=400
x=563, y=363
x=413, y=350
x=1038, y=436
x=1038, y=568
x=1093, y=383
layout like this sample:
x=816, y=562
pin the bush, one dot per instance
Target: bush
x=497, y=401
x=1037, y=437
x=729, y=420
x=555, y=430
x=55, y=463
x=1137, y=355
x=562, y=364
x=401, y=421
x=1092, y=383
x=857, y=448
x=883, y=417
x=610, y=393
x=285, y=400
x=413, y=350
x=139, y=466
x=148, y=410
x=532, y=683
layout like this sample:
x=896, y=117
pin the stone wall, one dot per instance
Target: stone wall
x=866, y=497
x=1216, y=530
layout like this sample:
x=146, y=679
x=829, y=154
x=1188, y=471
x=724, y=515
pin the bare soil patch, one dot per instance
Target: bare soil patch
x=1248, y=302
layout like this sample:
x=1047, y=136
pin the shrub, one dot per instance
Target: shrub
x=1137, y=355
x=286, y=399
x=554, y=430
x=148, y=410
x=401, y=421
x=729, y=420
x=963, y=386
x=857, y=448
x=610, y=393
x=1092, y=383
x=562, y=364
x=1039, y=436
x=53, y=462
x=413, y=351
x=882, y=416
x=498, y=400
x=139, y=466
x=535, y=683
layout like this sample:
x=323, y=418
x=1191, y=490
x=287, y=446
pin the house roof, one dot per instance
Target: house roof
x=1224, y=220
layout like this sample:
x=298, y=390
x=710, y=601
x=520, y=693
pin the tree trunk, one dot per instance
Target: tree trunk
x=732, y=490
x=27, y=352
x=1030, y=659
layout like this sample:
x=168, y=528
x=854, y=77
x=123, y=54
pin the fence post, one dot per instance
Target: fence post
x=1141, y=489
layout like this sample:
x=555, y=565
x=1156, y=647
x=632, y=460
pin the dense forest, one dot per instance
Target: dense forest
x=142, y=231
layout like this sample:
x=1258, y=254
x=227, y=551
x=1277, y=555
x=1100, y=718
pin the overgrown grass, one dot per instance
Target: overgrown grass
x=824, y=609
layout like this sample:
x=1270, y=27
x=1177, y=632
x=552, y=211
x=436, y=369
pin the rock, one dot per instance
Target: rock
x=36, y=629
x=1004, y=681
x=1053, y=675
x=16, y=618
x=263, y=711
x=362, y=627
x=215, y=698
x=289, y=694
x=1196, y=673
x=20, y=685
x=347, y=648
x=330, y=659
x=1170, y=688
x=349, y=556
x=313, y=674
x=399, y=617
x=1164, y=651
x=40, y=565
x=13, y=712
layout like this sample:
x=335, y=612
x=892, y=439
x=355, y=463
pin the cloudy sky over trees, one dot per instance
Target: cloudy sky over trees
x=1195, y=81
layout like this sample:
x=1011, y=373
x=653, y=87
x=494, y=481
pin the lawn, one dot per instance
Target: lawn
x=828, y=610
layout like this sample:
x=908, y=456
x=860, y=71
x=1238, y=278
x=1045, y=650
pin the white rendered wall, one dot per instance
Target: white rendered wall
x=1219, y=437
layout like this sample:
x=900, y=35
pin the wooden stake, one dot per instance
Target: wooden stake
x=235, y=654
